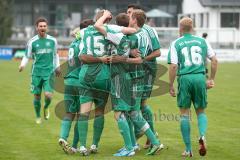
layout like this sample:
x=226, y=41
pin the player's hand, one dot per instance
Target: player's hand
x=172, y=91
x=118, y=59
x=105, y=59
x=20, y=68
x=210, y=84
x=58, y=72
x=107, y=14
x=135, y=53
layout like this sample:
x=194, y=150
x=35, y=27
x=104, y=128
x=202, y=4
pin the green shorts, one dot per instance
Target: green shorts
x=150, y=68
x=192, y=88
x=96, y=91
x=39, y=82
x=124, y=96
x=71, y=95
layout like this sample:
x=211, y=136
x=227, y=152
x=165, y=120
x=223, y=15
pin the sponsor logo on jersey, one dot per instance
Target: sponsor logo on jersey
x=44, y=51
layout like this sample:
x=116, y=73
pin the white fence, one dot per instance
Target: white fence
x=225, y=41
x=221, y=38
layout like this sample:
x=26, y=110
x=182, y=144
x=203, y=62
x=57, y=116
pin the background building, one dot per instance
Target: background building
x=66, y=14
x=220, y=18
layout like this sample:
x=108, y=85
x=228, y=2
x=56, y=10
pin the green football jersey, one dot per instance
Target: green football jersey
x=140, y=41
x=43, y=51
x=121, y=43
x=74, y=64
x=154, y=43
x=95, y=44
x=189, y=52
x=121, y=47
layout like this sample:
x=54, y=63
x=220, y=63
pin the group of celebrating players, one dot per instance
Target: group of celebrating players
x=119, y=62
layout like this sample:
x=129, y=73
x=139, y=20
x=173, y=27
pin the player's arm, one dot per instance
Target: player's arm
x=153, y=55
x=23, y=63
x=56, y=60
x=155, y=45
x=172, y=76
x=90, y=59
x=173, y=61
x=99, y=25
x=128, y=30
x=124, y=59
x=214, y=63
x=135, y=60
x=26, y=57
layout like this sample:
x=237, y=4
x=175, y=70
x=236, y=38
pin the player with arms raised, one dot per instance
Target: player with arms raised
x=150, y=66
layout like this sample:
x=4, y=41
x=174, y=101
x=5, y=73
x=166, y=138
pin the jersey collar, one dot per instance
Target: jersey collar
x=187, y=34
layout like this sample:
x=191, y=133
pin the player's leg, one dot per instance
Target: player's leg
x=185, y=131
x=124, y=130
x=83, y=123
x=147, y=113
x=150, y=70
x=37, y=107
x=98, y=126
x=47, y=100
x=64, y=132
x=132, y=134
x=184, y=104
x=140, y=122
x=36, y=89
x=48, y=93
x=100, y=96
x=71, y=101
x=202, y=127
x=148, y=116
x=200, y=103
x=75, y=136
x=76, y=133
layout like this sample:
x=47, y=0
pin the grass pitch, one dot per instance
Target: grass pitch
x=21, y=138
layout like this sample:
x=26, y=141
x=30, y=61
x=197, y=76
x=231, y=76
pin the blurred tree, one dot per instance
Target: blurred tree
x=5, y=20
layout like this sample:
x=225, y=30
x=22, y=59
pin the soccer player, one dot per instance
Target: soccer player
x=186, y=57
x=150, y=66
x=94, y=84
x=120, y=84
x=43, y=49
x=71, y=95
x=138, y=40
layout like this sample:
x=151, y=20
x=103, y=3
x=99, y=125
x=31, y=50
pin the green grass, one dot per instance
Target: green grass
x=21, y=138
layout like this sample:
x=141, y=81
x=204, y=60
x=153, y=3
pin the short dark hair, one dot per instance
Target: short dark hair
x=122, y=19
x=140, y=16
x=135, y=6
x=85, y=23
x=41, y=19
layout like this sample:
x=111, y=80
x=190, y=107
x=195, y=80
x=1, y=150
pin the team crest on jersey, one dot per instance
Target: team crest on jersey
x=48, y=44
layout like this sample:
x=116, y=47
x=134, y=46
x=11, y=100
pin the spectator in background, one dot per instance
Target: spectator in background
x=204, y=35
x=151, y=22
x=68, y=26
